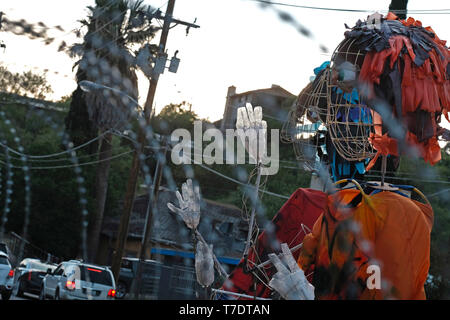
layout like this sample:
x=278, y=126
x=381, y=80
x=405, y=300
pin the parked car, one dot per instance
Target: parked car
x=6, y=276
x=4, y=248
x=128, y=272
x=29, y=275
x=76, y=280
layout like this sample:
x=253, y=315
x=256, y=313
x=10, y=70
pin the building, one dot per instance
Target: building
x=269, y=99
x=221, y=225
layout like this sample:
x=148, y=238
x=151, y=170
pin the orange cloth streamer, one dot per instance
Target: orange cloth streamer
x=425, y=87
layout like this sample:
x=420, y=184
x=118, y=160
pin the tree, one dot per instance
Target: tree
x=26, y=83
x=55, y=221
x=174, y=116
x=113, y=28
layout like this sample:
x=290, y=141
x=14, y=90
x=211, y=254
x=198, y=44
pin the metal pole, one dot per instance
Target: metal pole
x=399, y=7
x=252, y=216
x=219, y=267
x=383, y=169
x=151, y=207
x=134, y=171
x=266, y=263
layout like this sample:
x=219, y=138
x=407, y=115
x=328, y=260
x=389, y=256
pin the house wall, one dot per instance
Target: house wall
x=132, y=247
x=270, y=103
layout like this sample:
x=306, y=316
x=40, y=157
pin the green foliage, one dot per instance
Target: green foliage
x=27, y=83
x=174, y=116
x=55, y=220
x=434, y=181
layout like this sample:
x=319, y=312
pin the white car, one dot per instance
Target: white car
x=6, y=276
x=76, y=280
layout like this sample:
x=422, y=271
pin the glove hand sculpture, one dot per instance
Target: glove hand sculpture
x=189, y=211
x=204, y=264
x=290, y=282
x=249, y=123
x=189, y=202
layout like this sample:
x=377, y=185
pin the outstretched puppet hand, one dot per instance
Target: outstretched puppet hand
x=250, y=124
x=204, y=264
x=290, y=282
x=189, y=202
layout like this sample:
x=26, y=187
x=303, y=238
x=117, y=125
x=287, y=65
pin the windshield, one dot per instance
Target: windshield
x=92, y=274
x=40, y=266
x=3, y=260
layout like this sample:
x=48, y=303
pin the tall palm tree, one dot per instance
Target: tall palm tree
x=114, y=29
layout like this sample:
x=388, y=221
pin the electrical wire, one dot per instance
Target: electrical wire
x=73, y=165
x=438, y=193
x=424, y=11
x=55, y=154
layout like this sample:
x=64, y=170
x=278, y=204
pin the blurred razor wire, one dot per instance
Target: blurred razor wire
x=27, y=177
x=111, y=89
x=288, y=18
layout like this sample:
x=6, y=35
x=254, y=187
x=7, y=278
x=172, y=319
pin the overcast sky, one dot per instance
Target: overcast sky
x=238, y=43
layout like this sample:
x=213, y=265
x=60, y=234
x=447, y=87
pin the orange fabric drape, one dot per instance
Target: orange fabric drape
x=388, y=230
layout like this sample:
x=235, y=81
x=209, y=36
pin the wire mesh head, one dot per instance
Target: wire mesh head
x=304, y=127
x=349, y=120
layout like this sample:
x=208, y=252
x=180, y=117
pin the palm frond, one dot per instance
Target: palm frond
x=141, y=36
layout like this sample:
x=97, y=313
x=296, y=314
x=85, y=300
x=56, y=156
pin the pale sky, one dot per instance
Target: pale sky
x=238, y=43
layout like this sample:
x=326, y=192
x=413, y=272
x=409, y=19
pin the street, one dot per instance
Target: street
x=27, y=296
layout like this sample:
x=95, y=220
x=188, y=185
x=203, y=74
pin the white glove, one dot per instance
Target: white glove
x=250, y=121
x=189, y=209
x=204, y=264
x=290, y=282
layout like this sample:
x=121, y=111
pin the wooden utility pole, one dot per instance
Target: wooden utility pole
x=135, y=165
x=134, y=171
x=151, y=208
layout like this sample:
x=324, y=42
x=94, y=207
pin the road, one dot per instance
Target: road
x=27, y=296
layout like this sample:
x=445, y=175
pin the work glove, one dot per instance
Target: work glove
x=250, y=121
x=204, y=264
x=290, y=281
x=189, y=202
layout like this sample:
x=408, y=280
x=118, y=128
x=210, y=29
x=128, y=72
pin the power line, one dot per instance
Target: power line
x=62, y=159
x=438, y=193
x=409, y=179
x=54, y=154
x=73, y=165
x=424, y=11
x=239, y=182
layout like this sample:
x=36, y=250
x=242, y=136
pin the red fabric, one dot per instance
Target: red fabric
x=424, y=87
x=303, y=207
x=429, y=150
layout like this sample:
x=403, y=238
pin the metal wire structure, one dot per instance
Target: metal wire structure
x=305, y=126
x=349, y=121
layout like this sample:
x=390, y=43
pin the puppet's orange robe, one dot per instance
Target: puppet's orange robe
x=386, y=229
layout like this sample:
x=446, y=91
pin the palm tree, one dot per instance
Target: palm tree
x=114, y=29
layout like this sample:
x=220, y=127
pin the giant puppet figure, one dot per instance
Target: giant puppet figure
x=382, y=96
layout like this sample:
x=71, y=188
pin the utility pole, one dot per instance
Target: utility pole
x=134, y=172
x=135, y=165
x=2, y=45
x=151, y=209
x=399, y=8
